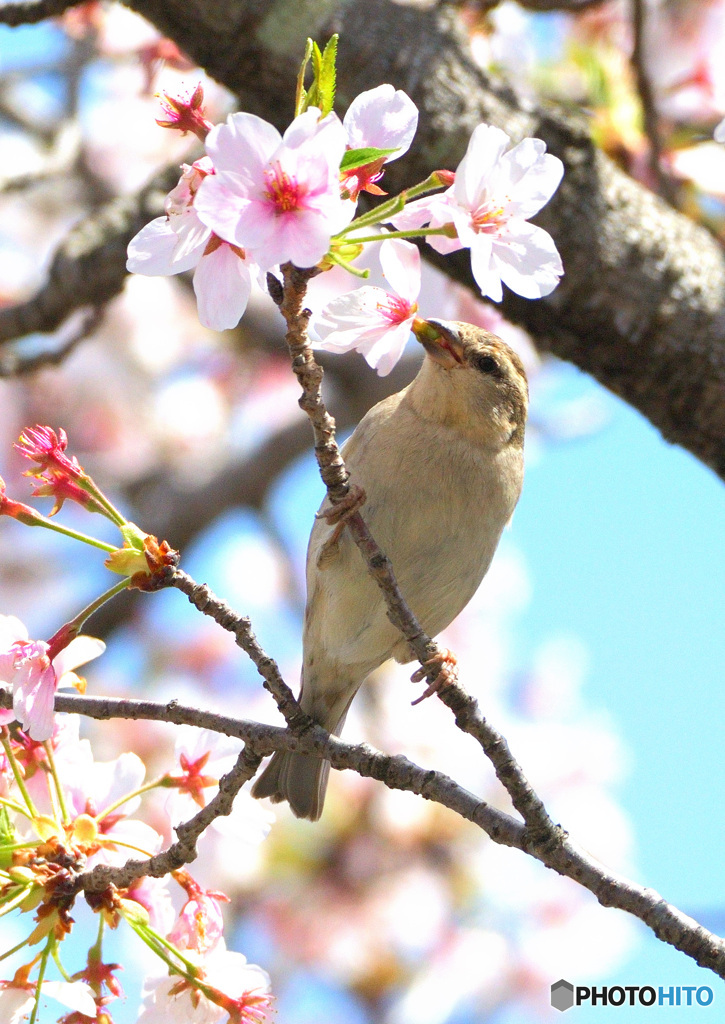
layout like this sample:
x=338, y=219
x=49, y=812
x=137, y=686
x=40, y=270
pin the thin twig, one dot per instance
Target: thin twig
x=209, y=604
x=81, y=324
x=183, y=851
x=665, y=185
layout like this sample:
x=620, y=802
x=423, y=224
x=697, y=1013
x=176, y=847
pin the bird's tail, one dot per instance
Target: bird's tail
x=301, y=779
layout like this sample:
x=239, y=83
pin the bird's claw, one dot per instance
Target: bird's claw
x=446, y=675
x=348, y=506
x=338, y=516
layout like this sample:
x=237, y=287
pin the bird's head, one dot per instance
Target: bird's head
x=471, y=381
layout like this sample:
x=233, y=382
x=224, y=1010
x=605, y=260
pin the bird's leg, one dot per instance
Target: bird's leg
x=337, y=516
x=447, y=673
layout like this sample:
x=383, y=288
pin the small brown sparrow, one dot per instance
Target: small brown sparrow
x=441, y=465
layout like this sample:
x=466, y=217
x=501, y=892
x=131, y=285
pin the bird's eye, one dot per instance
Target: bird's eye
x=487, y=364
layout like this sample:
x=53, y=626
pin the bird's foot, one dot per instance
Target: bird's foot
x=446, y=675
x=338, y=516
x=341, y=511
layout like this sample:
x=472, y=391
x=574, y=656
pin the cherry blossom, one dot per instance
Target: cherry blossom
x=277, y=196
x=95, y=786
x=382, y=118
x=371, y=320
x=200, y=924
x=180, y=241
x=243, y=988
x=495, y=191
x=203, y=757
x=34, y=676
x=17, y=999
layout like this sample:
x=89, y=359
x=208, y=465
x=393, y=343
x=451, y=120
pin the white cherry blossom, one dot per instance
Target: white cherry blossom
x=372, y=320
x=487, y=208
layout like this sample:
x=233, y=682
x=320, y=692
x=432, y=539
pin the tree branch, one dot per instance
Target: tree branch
x=563, y=856
x=30, y=12
x=89, y=268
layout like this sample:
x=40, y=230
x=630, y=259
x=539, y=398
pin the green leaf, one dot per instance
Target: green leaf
x=8, y=838
x=301, y=96
x=360, y=157
x=322, y=91
x=328, y=76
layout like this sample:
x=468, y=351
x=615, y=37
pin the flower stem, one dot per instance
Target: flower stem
x=65, y=817
x=412, y=233
x=356, y=271
x=41, y=975
x=50, y=524
x=9, y=952
x=392, y=206
x=160, y=946
x=58, y=963
x=63, y=636
x=380, y=213
x=130, y=796
x=17, y=772
x=18, y=808
x=11, y=904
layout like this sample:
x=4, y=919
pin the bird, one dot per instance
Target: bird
x=440, y=465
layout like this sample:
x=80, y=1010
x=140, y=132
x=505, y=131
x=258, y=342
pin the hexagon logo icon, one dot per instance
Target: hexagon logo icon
x=562, y=995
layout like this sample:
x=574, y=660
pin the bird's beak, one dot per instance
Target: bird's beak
x=441, y=340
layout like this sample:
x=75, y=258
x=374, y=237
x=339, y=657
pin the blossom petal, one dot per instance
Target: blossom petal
x=222, y=283
x=78, y=652
x=243, y=146
x=385, y=354
x=76, y=995
x=192, y=236
x=343, y=319
x=484, y=271
x=327, y=134
x=220, y=207
x=33, y=703
x=527, y=259
x=384, y=117
x=11, y=629
x=301, y=236
x=400, y=261
x=531, y=175
x=151, y=251
x=485, y=149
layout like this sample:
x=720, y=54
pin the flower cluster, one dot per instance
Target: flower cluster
x=259, y=199
x=63, y=812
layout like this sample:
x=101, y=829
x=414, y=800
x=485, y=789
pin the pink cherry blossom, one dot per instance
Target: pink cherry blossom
x=200, y=924
x=243, y=988
x=203, y=757
x=34, y=677
x=180, y=241
x=276, y=196
x=371, y=320
x=92, y=787
x=495, y=191
x=382, y=118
